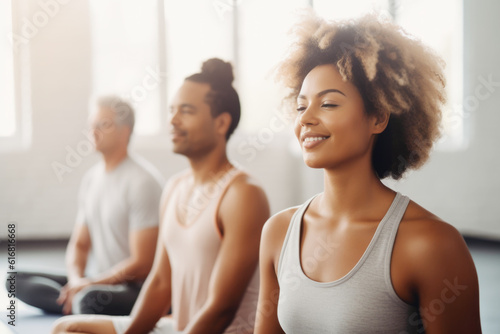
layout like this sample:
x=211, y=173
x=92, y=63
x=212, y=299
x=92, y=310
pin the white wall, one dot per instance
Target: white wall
x=461, y=187
x=464, y=187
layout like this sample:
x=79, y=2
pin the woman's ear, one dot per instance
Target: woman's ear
x=223, y=123
x=380, y=122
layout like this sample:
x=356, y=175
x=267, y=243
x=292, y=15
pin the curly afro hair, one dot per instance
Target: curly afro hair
x=394, y=73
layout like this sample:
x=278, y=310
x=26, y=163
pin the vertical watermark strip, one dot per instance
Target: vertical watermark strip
x=11, y=273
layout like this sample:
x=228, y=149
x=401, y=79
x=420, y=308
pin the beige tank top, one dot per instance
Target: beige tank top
x=192, y=239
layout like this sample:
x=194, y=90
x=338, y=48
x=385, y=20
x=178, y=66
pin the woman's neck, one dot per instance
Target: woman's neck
x=351, y=192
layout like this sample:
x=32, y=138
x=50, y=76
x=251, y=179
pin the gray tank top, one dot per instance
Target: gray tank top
x=363, y=301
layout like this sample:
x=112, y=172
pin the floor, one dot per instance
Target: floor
x=32, y=255
x=50, y=254
x=486, y=255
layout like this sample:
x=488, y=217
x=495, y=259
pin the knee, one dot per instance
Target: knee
x=91, y=300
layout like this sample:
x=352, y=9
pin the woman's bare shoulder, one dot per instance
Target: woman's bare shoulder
x=419, y=223
x=278, y=224
x=428, y=240
x=274, y=233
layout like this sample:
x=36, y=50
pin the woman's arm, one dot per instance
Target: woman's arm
x=273, y=235
x=444, y=278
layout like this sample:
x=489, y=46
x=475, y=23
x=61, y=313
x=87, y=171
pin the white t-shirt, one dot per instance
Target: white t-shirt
x=114, y=203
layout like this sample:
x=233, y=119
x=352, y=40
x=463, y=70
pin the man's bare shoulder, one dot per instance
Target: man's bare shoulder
x=244, y=179
x=244, y=205
x=244, y=188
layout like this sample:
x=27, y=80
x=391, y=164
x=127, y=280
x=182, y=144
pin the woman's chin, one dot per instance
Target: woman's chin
x=314, y=163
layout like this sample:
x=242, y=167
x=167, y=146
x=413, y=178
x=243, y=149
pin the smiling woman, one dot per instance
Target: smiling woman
x=360, y=257
x=395, y=76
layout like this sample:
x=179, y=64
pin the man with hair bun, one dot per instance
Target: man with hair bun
x=117, y=221
x=360, y=257
x=205, y=267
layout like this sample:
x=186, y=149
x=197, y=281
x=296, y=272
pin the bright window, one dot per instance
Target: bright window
x=438, y=24
x=15, y=101
x=196, y=31
x=127, y=57
x=442, y=29
x=7, y=106
x=263, y=42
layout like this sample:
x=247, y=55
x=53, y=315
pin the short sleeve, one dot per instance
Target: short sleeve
x=144, y=200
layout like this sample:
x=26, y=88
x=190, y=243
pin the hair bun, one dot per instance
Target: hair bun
x=218, y=71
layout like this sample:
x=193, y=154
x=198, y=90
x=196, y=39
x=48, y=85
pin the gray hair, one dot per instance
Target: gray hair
x=123, y=110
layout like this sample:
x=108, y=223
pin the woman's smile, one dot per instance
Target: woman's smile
x=311, y=140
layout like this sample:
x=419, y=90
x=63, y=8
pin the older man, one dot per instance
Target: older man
x=117, y=221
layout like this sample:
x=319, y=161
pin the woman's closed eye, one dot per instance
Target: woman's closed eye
x=301, y=108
